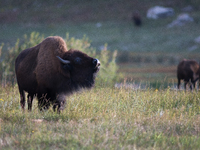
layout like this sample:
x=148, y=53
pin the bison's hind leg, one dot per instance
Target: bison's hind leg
x=22, y=98
x=179, y=82
x=29, y=101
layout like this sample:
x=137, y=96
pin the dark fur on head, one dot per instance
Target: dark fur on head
x=188, y=70
x=41, y=71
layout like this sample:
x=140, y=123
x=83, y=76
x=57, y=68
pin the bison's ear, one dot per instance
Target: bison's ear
x=65, y=64
x=63, y=61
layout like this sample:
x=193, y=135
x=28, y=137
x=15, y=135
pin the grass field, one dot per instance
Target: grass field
x=144, y=110
x=104, y=118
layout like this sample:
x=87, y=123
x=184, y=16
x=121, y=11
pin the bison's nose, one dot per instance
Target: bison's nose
x=96, y=62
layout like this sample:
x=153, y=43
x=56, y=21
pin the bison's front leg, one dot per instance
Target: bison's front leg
x=185, y=85
x=192, y=86
x=194, y=82
x=43, y=102
x=59, y=103
x=186, y=81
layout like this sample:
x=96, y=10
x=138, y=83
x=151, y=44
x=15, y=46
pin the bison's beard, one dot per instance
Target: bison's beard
x=90, y=81
x=78, y=81
x=87, y=83
x=75, y=85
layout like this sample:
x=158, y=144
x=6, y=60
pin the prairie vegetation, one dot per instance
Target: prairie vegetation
x=104, y=118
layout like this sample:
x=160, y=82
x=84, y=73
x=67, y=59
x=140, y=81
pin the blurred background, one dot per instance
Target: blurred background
x=151, y=37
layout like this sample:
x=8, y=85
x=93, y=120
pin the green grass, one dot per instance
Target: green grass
x=104, y=118
x=81, y=18
x=123, y=36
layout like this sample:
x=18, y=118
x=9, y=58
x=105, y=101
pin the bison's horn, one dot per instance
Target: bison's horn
x=63, y=61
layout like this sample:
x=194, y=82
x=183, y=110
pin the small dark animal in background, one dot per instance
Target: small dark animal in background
x=50, y=72
x=189, y=71
x=136, y=19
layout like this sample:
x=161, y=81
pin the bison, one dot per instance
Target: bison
x=136, y=18
x=188, y=70
x=50, y=72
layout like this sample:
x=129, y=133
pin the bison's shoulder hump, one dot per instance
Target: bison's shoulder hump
x=54, y=44
x=54, y=40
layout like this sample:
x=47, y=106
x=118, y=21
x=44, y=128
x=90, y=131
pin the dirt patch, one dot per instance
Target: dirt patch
x=148, y=69
x=148, y=72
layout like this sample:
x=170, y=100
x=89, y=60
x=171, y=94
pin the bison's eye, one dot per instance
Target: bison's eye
x=77, y=60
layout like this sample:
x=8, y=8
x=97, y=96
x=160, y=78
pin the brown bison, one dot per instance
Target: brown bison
x=50, y=72
x=188, y=70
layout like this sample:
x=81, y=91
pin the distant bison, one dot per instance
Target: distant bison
x=136, y=19
x=50, y=72
x=188, y=70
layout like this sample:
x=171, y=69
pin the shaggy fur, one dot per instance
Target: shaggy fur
x=188, y=70
x=40, y=73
